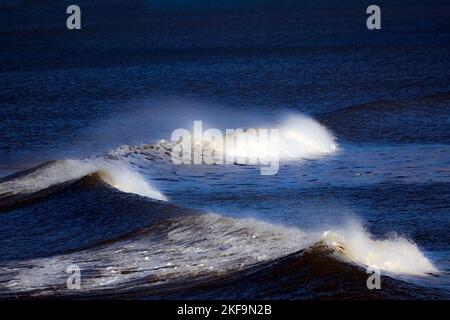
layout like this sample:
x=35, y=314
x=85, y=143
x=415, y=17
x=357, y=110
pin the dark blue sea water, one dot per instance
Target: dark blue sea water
x=86, y=180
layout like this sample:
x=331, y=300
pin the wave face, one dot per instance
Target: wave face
x=201, y=255
x=57, y=173
x=139, y=226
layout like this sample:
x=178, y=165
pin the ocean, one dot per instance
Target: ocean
x=87, y=182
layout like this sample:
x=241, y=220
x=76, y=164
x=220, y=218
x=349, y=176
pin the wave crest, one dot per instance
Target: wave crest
x=60, y=172
x=396, y=255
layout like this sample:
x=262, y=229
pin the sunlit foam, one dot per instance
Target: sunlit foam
x=302, y=137
x=129, y=181
x=297, y=137
x=397, y=255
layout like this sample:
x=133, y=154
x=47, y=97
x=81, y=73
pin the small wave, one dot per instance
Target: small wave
x=419, y=120
x=56, y=173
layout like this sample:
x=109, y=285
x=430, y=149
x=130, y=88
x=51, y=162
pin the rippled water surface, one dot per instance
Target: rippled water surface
x=87, y=181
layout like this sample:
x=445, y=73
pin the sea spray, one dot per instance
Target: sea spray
x=397, y=255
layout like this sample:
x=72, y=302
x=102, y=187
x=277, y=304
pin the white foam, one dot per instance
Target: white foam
x=126, y=180
x=397, y=255
x=303, y=137
x=299, y=137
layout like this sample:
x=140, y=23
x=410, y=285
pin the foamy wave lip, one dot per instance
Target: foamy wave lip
x=303, y=137
x=299, y=137
x=116, y=175
x=397, y=255
x=129, y=181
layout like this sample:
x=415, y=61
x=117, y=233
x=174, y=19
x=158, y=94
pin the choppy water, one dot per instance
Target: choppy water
x=139, y=226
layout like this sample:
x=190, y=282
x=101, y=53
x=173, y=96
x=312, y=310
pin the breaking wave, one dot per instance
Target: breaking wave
x=300, y=137
x=157, y=248
x=395, y=255
x=58, y=173
x=174, y=252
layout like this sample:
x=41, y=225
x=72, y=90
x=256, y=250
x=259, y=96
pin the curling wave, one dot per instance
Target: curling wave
x=395, y=255
x=54, y=175
x=195, y=250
